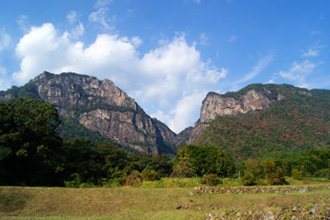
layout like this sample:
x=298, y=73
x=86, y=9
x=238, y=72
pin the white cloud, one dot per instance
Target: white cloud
x=299, y=72
x=4, y=82
x=100, y=16
x=23, y=23
x=77, y=31
x=256, y=70
x=313, y=51
x=5, y=40
x=103, y=3
x=197, y=1
x=39, y=50
x=310, y=53
x=232, y=38
x=172, y=77
x=203, y=40
x=72, y=17
x=185, y=109
x=78, y=28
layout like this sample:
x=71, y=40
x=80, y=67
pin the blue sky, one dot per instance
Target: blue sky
x=167, y=54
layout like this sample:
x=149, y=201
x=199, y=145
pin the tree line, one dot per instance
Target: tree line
x=33, y=154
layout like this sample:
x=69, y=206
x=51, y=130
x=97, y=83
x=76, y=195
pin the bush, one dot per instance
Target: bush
x=74, y=181
x=248, y=179
x=150, y=175
x=323, y=173
x=296, y=174
x=134, y=179
x=273, y=173
x=211, y=179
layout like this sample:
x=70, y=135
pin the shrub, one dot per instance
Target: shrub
x=248, y=179
x=150, y=175
x=296, y=174
x=211, y=179
x=273, y=173
x=74, y=181
x=323, y=173
x=134, y=179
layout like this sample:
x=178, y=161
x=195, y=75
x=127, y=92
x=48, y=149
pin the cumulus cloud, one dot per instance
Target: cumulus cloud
x=172, y=77
x=185, y=109
x=298, y=73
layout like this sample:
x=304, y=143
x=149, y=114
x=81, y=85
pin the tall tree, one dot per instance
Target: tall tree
x=29, y=146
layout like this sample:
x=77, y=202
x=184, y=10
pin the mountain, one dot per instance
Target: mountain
x=264, y=119
x=98, y=110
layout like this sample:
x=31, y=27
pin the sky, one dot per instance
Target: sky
x=168, y=54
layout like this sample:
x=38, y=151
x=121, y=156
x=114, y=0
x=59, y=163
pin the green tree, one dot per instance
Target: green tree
x=30, y=149
x=273, y=172
x=183, y=168
x=204, y=160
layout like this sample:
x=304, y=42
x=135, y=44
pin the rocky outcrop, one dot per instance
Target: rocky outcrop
x=102, y=107
x=252, y=98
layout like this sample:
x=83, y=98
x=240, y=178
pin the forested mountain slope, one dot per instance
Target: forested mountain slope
x=298, y=119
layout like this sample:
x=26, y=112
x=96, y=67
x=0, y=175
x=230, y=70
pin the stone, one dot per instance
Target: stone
x=295, y=208
x=268, y=216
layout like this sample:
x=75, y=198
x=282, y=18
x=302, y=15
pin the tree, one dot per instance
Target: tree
x=250, y=173
x=30, y=149
x=203, y=160
x=273, y=172
x=183, y=168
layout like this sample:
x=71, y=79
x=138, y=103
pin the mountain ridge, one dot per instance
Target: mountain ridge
x=100, y=107
x=100, y=110
x=261, y=119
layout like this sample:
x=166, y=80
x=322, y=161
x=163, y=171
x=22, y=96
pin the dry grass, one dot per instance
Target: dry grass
x=134, y=203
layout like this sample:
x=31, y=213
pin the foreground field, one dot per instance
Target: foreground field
x=145, y=203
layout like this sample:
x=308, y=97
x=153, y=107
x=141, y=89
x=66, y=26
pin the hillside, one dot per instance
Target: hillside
x=283, y=118
x=97, y=110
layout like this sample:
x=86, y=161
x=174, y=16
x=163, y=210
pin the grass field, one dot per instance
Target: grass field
x=136, y=203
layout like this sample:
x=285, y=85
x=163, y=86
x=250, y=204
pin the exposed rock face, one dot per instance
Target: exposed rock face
x=214, y=105
x=102, y=107
x=252, y=98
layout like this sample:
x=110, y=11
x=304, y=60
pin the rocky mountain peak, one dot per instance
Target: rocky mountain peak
x=101, y=107
x=254, y=97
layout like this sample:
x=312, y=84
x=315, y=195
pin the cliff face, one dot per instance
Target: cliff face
x=252, y=98
x=102, y=107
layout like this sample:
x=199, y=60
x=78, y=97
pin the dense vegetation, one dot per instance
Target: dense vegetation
x=32, y=153
x=294, y=123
